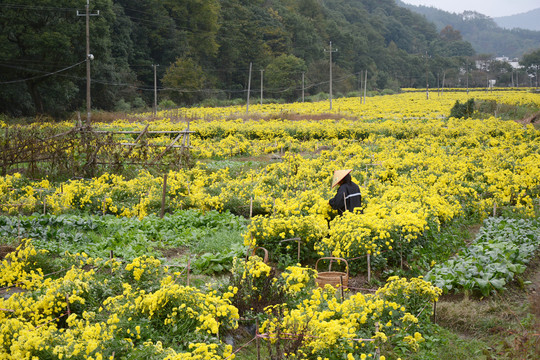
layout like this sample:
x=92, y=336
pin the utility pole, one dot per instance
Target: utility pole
x=249, y=88
x=155, y=89
x=331, y=51
x=262, y=80
x=89, y=57
x=427, y=79
x=365, y=86
x=303, y=75
x=468, y=78
x=443, y=81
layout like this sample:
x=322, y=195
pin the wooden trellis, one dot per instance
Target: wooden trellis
x=80, y=150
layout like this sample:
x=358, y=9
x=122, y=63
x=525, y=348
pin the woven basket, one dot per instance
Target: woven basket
x=265, y=258
x=334, y=278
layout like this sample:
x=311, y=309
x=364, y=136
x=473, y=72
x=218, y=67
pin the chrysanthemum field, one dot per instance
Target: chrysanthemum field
x=88, y=278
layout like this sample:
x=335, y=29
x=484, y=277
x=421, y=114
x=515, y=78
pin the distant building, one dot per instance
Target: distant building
x=513, y=62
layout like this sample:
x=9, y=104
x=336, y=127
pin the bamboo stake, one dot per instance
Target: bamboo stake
x=258, y=340
x=19, y=225
x=378, y=350
x=163, y=196
x=67, y=304
x=111, y=256
x=369, y=268
x=188, y=268
x=401, y=251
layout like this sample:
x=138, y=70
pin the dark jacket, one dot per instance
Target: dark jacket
x=348, y=192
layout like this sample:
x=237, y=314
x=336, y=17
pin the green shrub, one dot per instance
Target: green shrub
x=464, y=110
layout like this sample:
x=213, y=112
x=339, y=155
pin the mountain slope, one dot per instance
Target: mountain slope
x=485, y=35
x=528, y=20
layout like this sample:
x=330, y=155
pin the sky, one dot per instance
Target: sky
x=492, y=8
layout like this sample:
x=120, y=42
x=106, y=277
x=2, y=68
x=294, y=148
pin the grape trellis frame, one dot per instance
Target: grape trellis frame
x=86, y=152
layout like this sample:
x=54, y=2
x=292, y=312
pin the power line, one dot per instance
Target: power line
x=36, y=7
x=41, y=76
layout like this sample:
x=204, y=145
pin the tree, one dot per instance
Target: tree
x=186, y=80
x=449, y=34
x=531, y=62
x=283, y=76
x=42, y=48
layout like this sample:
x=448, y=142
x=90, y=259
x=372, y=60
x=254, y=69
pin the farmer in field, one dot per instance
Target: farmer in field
x=348, y=196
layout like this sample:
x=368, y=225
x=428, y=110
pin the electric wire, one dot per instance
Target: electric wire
x=43, y=75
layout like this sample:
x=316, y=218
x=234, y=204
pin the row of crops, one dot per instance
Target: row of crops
x=419, y=172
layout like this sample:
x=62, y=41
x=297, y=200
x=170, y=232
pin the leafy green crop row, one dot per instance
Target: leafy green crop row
x=196, y=231
x=501, y=250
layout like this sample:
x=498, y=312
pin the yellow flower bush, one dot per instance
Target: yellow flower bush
x=416, y=294
x=328, y=326
x=298, y=279
x=57, y=317
x=269, y=232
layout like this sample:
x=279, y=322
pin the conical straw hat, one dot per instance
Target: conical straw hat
x=339, y=175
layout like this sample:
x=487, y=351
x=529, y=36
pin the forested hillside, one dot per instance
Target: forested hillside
x=527, y=20
x=202, y=49
x=483, y=32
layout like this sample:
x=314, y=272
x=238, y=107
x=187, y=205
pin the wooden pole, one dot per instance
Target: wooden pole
x=188, y=268
x=19, y=225
x=401, y=251
x=163, y=196
x=249, y=88
x=257, y=341
x=250, y=207
x=365, y=87
x=369, y=268
x=303, y=91
x=341, y=287
x=378, y=350
x=112, y=256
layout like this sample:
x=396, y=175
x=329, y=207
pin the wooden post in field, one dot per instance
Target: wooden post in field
x=112, y=257
x=250, y=207
x=494, y=209
x=163, y=196
x=341, y=287
x=257, y=341
x=369, y=267
x=401, y=251
x=19, y=225
x=378, y=351
x=188, y=267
